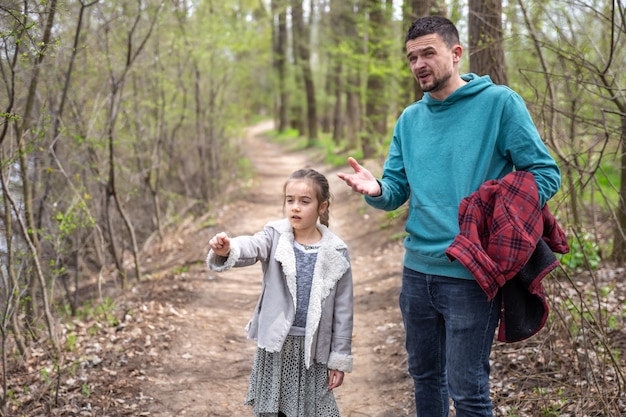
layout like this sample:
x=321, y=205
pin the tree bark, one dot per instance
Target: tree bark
x=301, y=39
x=279, y=34
x=354, y=79
x=340, y=21
x=25, y=168
x=117, y=88
x=485, y=40
x=619, y=233
x=376, y=106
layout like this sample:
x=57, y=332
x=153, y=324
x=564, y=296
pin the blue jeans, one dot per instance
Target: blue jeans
x=449, y=327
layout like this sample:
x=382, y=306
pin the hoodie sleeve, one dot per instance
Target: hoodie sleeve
x=394, y=184
x=526, y=150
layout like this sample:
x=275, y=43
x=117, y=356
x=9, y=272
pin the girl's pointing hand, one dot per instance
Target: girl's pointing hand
x=220, y=243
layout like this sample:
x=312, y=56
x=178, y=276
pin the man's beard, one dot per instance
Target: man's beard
x=437, y=83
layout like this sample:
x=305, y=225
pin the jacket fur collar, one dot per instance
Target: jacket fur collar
x=330, y=266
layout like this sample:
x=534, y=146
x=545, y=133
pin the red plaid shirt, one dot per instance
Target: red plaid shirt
x=500, y=228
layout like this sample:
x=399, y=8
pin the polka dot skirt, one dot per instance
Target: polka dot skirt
x=281, y=383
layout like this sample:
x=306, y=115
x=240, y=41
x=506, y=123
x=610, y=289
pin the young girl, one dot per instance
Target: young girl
x=303, y=320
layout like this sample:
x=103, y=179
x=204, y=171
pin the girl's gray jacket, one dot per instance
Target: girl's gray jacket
x=328, y=335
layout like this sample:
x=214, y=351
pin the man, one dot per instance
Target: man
x=464, y=132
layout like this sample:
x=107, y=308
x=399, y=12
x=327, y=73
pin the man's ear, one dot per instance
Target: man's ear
x=457, y=53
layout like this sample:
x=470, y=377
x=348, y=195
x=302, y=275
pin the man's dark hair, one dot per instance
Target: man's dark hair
x=434, y=24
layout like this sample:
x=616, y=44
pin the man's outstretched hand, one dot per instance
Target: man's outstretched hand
x=362, y=181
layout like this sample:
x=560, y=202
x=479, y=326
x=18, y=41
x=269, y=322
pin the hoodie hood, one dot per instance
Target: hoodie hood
x=475, y=84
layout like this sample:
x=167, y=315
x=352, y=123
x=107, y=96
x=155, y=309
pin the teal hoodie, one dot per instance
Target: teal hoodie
x=442, y=151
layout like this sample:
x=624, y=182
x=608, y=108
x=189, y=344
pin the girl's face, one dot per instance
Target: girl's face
x=301, y=205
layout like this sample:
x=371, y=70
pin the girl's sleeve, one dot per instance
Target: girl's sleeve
x=341, y=345
x=244, y=251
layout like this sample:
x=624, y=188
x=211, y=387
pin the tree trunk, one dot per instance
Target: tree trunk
x=341, y=21
x=116, y=96
x=38, y=274
x=279, y=34
x=354, y=120
x=375, y=106
x=10, y=304
x=354, y=79
x=619, y=234
x=301, y=39
x=485, y=40
x=25, y=168
x=338, y=117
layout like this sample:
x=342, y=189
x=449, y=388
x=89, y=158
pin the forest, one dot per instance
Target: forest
x=120, y=120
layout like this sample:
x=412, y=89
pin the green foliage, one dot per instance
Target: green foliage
x=332, y=153
x=336, y=154
x=244, y=168
x=64, y=310
x=601, y=192
x=93, y=330
x=104, y=312
x=290, y=137
x=555, y=401
x=10, y=394
x=209, y=222
x=25, y=302
x=181, y=269
x=9, y=117
x=85, y=390
x=513, y=412
x=398, y=236
x=70, y=342
x=73, y=367
x=44, y=373
x=69, y=221
x=551, y=410
x=584, y=254
x=608, y=176
x=392, y=217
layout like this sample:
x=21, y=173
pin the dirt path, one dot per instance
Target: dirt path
x=203, y=359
